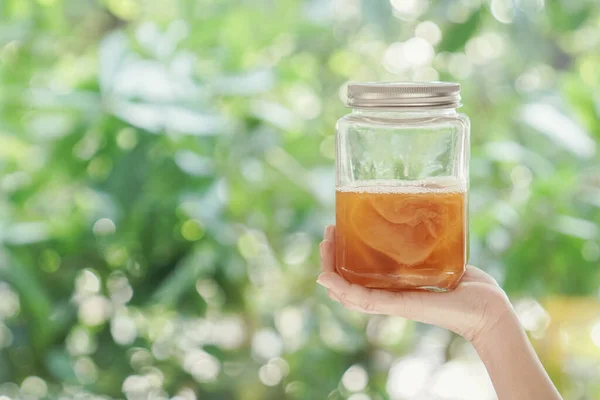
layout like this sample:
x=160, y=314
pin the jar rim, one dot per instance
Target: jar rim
x=404, y=95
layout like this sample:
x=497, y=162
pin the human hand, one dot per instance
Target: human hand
x=471, y=310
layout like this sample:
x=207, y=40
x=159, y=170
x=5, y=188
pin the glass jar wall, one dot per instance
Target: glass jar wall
x=401, y=186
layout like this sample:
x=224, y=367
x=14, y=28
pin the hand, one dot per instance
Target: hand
x=471, y=310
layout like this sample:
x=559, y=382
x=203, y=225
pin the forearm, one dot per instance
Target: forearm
x=511, y=362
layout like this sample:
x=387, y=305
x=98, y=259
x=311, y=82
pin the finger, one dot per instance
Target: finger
x=354, y=296
x=474, y=274
x=329, y=233
x=327, y=251
x=333, y=296
x=354, y=307
x=442, y=309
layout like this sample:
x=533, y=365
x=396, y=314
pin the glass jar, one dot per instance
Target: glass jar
x=402, y=159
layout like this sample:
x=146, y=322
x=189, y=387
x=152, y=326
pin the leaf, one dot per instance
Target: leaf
x=59, y=364
x=563, y=130
x=34, y=298
x=114, y=51
x=456, y=35
x=565, y=16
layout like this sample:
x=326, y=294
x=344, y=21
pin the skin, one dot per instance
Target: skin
x=478, y=310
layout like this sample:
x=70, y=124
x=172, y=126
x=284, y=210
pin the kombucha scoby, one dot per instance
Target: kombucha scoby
x=402, y=234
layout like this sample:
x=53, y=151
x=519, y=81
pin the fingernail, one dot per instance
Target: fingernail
x=322, y=246
x=324, y=281
x=324, y=284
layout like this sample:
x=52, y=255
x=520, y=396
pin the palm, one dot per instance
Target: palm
x=474, y=304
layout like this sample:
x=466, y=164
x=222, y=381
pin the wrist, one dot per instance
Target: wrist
x=498, y=318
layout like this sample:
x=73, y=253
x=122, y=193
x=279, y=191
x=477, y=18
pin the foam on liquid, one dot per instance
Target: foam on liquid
x=428, y=185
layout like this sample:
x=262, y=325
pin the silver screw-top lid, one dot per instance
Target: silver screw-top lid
x=404, y=95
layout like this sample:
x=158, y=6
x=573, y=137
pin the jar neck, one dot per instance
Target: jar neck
x=403, y=113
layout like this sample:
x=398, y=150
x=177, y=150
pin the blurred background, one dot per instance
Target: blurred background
x=167, y=169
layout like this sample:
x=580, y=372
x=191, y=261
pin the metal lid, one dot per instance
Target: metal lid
x=404, y=95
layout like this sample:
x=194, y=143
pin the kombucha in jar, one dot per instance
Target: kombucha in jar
x=402, y=168
x=402, y=236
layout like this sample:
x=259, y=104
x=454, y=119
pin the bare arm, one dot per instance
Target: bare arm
x=511, y=362
x=477, y=309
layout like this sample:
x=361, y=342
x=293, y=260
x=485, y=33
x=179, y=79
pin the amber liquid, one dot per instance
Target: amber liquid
x=399, y=237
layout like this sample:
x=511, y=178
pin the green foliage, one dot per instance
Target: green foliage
x=457, y=35
x=167, y=170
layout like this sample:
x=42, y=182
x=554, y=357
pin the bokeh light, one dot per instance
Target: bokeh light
x=408, y=377
x=355, y=379
x=596, y=334
x=34, y=386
